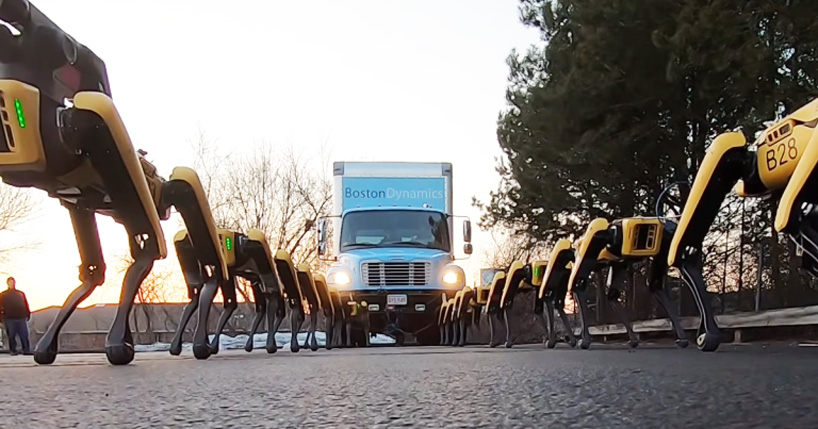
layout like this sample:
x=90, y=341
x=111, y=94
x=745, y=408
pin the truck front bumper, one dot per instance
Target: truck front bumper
x=419, y=313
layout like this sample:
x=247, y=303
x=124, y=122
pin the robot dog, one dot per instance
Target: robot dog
x=247, y=256
x=617, y=246
x=79, y=152
x=782, y=168
x=549, y=280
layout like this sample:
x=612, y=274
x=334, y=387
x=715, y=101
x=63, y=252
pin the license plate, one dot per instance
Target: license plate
x=396, y=300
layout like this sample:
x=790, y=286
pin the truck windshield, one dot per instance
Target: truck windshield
x=395, y=228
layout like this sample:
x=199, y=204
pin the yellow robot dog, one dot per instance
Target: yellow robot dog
x=246, y=256
x=523, y=278
x=782, y=168
x=312, y=291
x=492, y=305
x=463, y=315
x=80, y=153
x=553, y=290
x=331, y=309
x=453, y=318
x=616, y=246
x=341, y=316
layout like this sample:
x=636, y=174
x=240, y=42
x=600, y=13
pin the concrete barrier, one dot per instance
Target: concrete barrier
x=797, y=316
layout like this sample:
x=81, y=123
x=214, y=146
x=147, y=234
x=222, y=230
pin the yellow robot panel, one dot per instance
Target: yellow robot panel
x=596, y=226
x=189, y=176
x=805, y=168
x=481, y=294
x=782, y=147
x=561, y=246
x=538, y=269
x=20, y=128
x=306, y=271
x=458, y=302
x=515, y=266
x=180, y=236
x=451, y=308
x=287, y=274
x=641, y=236
x=227, y=238
x=723, y=144
x=103, y=106
x=323, y=292
x=443, y=307
x=496, y=284
x=607, y=256
x=256, y=235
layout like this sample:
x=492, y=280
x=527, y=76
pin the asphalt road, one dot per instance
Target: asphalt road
x=606, y=386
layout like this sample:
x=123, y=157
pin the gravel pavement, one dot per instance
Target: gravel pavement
x=608, y=386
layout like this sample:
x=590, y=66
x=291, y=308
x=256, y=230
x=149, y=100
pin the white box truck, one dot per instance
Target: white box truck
x=391, y=242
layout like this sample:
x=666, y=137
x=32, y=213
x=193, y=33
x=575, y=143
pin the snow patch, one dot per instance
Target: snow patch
x=282, y=339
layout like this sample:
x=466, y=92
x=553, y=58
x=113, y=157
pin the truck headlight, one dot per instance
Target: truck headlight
x=340, y=278
x=451, y=278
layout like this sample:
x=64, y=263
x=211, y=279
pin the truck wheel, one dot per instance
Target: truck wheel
x=358, y=338
x=428, y=337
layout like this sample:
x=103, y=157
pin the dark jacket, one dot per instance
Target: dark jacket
x=13, y=305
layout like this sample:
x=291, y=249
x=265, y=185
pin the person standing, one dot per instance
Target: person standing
x=15, y=314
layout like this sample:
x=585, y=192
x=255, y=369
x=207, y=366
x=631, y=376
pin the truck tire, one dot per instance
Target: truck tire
x=428, y=337
x=358, y=338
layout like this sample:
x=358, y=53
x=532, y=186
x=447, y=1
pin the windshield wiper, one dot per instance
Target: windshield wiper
x=360, y=245
x=407, y=243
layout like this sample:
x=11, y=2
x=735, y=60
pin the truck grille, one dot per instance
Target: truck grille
x=396, y=273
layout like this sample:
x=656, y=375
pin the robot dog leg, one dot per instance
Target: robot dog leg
x=725, y=162
x=230, y=305
x=92, y=274
x=516, y=275
x=289, y=280
x=588, y=253
x=617, y=272
x=260, y=307
x=309, y=291
x=492, y=307
x=554, y=288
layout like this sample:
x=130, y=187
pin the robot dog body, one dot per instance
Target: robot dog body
x=548, y=279
x=79, y=152
x=782, y=168
x=616, y=246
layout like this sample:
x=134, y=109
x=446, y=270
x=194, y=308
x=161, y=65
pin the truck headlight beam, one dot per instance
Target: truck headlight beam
x=341, y=278
x=450, y=278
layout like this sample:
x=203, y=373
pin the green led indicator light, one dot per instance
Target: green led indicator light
x=228, y=243
x=537, y=271
x=21, y=119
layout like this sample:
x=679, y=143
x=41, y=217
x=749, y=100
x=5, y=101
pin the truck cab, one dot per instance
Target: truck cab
x=394, y=247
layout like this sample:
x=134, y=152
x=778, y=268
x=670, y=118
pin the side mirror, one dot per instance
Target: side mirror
x=468, y=248
x=322, y=236
x=322, y=229
x=467, y=231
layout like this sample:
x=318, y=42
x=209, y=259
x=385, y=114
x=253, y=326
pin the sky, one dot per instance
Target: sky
x=399, y=80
